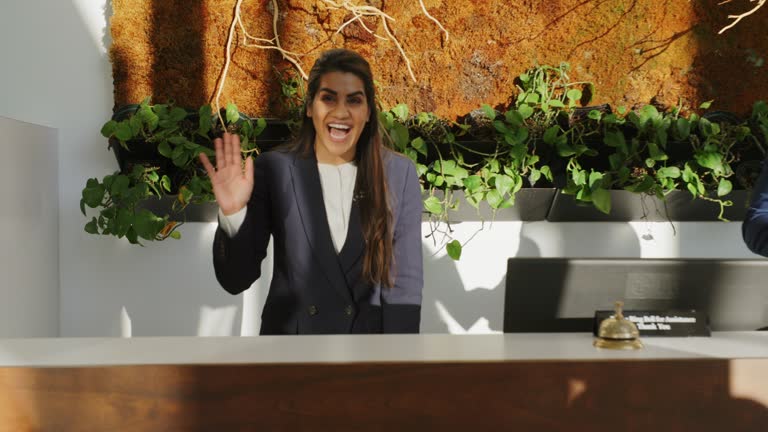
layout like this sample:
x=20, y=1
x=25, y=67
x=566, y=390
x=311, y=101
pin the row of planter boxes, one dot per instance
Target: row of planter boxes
x=549, y=204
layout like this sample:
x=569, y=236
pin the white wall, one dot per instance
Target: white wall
x=29, y=230
x=55, y=72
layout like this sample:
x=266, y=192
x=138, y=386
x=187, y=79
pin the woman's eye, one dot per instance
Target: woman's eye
x=355, y=101
x=326, y=98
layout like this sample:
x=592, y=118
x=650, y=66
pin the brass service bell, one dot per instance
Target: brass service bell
x=617, y=332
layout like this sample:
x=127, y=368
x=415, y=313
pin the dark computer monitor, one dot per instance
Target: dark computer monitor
x=562, y=294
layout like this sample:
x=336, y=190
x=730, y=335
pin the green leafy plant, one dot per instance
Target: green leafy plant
x=118, y=196
x=713, y=148
x=292, y=92
x=653, y=153
x=171, y=138
x=543, y=138
x=546, y=96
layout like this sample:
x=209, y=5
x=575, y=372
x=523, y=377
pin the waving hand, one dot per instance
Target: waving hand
x=232, y=185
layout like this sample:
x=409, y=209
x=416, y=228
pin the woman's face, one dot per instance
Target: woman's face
x=339, y=112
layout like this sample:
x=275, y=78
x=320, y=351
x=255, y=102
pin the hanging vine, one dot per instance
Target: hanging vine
x=739, y=17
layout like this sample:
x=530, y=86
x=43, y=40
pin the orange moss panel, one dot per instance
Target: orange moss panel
x=634, y=52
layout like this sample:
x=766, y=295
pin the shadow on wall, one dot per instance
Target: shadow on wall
x=726, y=65
x=182, y=42
x=210, y=320
x=450, y=307
x=467, y=296
x=164, y=292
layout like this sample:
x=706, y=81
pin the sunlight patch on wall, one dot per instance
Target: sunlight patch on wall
x=94, y=20
x=126, y=327
x=486, y=249
x=657, y=239
x=216, y=321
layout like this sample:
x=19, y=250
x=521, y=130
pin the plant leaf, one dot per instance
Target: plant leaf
x=93, y=194
x=232, y=115
x=420, y=146
x=472, y=183
x=147, y=224
x=573, y=95
x=454, y=249
x=488, y=111
x=401, y=111
x=550, y=135
x=494, y=198
x=710, y=160
x=91, y=227
x=724, y=188
x=164, y=149
x=525, y=111
x=165, y=182
x=668, y=172
x=433, y=205
x=503, y=184
x=123, y=131
x=108, y=129
x=601, y=198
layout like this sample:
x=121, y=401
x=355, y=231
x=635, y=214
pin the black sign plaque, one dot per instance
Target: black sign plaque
x=662, y=323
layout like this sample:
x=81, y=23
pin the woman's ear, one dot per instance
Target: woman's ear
x=309, y=111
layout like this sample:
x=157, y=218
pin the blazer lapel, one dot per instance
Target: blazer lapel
x=309, y=200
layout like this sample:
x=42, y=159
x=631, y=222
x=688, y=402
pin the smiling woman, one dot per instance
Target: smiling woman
x=344, y=213
x=339, y=113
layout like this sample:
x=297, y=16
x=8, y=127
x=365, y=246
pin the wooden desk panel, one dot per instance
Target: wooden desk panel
x=559, y=395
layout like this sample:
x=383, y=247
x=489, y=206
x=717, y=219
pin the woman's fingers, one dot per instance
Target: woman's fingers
x=249, y=169
x=227, y=155
x=219, y=148
x=234, y=150
x=225, y=149
x=207, y=164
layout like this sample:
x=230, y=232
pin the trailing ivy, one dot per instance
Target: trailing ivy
x=544, y=138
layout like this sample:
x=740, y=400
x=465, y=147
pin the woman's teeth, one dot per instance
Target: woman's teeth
x=338, y=131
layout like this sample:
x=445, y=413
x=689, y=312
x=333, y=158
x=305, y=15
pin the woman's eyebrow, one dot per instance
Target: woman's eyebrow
x=333, y=92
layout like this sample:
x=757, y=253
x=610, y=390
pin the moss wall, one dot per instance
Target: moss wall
x=634, y=51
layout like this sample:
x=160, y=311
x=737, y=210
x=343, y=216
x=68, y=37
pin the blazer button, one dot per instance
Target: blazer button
x=312, y=310
x=348, y=310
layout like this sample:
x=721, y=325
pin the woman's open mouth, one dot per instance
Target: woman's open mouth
x=338, y=131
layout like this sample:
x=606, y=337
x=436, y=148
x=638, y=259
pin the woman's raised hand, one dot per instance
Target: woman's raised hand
x=232, y=185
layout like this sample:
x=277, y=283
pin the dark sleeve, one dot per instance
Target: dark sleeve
x=401, y=304
x=754, y=229
x=237, y=260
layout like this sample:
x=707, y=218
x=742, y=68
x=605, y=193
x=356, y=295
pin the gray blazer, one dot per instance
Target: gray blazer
x=314, y=290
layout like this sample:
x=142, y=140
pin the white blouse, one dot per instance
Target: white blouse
x=338, y=185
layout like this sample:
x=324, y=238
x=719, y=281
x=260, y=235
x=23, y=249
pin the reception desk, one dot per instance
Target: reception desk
x=527, y=382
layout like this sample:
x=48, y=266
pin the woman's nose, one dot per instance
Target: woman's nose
x=341, y=110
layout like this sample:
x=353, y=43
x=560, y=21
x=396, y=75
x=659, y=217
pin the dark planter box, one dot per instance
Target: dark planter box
x=627, y=206
x=139, y=153
x=276, y=133
x=531, y=204
x=142, y=153
x=206, y=212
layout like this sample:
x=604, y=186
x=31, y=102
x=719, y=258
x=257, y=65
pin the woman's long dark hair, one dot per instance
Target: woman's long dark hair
x=371, y=185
